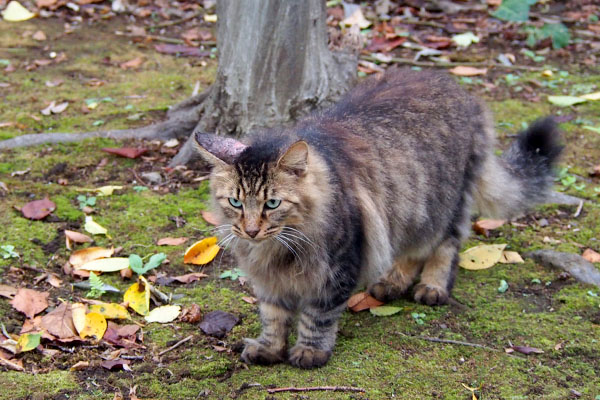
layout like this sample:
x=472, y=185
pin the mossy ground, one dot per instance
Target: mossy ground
x=384, y=356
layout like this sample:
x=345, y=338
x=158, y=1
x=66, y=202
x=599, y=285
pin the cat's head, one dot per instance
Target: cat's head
x=260, y=189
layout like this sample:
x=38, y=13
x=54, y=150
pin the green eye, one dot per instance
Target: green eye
x=235, y=202
x=273, y=203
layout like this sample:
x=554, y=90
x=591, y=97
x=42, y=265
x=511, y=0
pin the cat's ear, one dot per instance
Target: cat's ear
x=295, y=158
x=218, y=150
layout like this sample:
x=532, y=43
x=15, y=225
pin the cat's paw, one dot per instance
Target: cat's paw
x=386, y=292
x=257, y=353
x=430, y=295
x=308, y=357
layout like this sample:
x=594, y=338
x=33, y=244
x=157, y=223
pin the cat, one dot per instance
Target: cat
x=377, y=190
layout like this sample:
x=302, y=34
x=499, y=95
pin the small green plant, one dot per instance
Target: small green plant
x=503, y=286
x=232, y=274
x=8, y=251
x=568, y=180
x=96, y=287
x=85, y=201
x=140, y=188
x=136, y=263
x=419, y=318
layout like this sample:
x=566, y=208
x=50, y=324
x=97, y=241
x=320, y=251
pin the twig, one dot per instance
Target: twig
x=140, y=180
x=316, y=388
x=425, y=23
x=182, y=341
x=126, y=357
x=409, y=61
x=579, y=208
x=177, y=21
x=458, y=342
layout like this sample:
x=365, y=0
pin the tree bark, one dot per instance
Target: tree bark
x=274, y=66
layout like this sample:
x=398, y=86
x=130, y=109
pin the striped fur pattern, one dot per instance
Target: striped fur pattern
x=377, y=190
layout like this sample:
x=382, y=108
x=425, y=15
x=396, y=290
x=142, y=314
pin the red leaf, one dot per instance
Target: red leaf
x=38, y=209
x=129, y=152
x=382, y=44
x=483, y=226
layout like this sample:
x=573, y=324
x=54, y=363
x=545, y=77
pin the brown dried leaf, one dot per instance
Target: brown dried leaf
x=83, y=256
x=210, y=217
x=131, y=64
x=170, y=241
x=7, y=361
x=80, y=366
x=8, y=291
x=249, y=299
x=129, y=152
x=116, y=364
x=59, y=323
x=591, y=255
x=77, y=237
x=363, y=301
x=30, y=302
x=218, y=323
x=126, y=273
x=122, y=335
x=468, y=71
x=527, y=350
x=483, y=226
x=191, y=314
x=54, y=280
x=595, y=171
x=38, y=209
x=181, y=50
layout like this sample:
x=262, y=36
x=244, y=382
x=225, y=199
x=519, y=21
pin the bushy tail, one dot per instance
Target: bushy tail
x=522, y=177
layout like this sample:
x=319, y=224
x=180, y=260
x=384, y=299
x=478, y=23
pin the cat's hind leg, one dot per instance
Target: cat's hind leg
x=394, y=283
x=271, y=346
x=439, y=272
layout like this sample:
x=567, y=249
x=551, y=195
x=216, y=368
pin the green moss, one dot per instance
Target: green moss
x=18, y=385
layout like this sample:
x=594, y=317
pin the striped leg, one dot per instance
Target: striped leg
x=270, y=347
x=317, y=330
x=396, y=281
x=438, y=275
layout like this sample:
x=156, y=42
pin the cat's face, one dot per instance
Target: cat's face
x=258, y=198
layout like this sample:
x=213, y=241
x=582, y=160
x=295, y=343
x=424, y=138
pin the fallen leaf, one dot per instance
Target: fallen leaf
x=83, y=256
x=40, y=36
x=8, y=291
x=565, y=101
x=80, y=366
x=111, y=264
x=95, y=326
x=210, y=217
x=527, y=350
x=464, y=40
x=132, y=64
x=483, y=226
x=170, y=241
x=138, y=296
x=30, y=302
x=38, y=209
x=78, y=312
x=163, y=314
x=385, y=311
x=54, y=280
x=5, y=360
x=181, y=50
x=481, y=257
x=503, y=286
x=511, y=257
x=249, y=299
x=591, y=96
x=354, y=16
x=110, y=310
x=218, y=323
x=202, y=252
x=592, y=128
x=59, y=322
x=126, y=273
x=54, y=83
x=75, y=237
x=116, y=364
x=28, y=342
x=468, y=71
x=191, y=314
x=93, y=227
x=591, y=255
x=103, y=190
x=15, y=12
x=129, y=152
x=54, y=108
x=122, y=335
x=363, y=301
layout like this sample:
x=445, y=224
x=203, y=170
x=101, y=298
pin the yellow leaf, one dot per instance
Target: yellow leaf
x=511, y=257
x=106, y=264
x=138, y=296
x=95, y=326
x=93, y=227
x=163, y=314
x=28, y=341
x=202, y=252
x=102, y=190
x=481, y=257
x=110, y=310
x=80, y=257
x=78, y=311
x=210, y=17
x=591, y=96
x=15, y=12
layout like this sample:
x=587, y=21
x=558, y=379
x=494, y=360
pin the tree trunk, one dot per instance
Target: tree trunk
x=274, y=66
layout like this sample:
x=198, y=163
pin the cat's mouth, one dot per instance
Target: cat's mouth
x=257, y=236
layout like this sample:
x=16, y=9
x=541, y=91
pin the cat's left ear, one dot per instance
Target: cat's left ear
x=295, y=158
x=218, y=150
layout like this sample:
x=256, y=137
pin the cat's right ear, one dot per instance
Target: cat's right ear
x=218, y=150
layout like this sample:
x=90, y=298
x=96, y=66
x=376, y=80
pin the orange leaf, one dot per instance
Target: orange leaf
x=83, y=256
x=468, y=71
x=591, y=256
x=170, y=241
x=483, y=226
x=363, y=301
x=136, y=62
x=202, y=252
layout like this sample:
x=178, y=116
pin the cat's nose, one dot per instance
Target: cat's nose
x=252, y=233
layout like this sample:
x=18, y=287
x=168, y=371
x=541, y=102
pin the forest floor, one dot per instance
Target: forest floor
x=107, y=86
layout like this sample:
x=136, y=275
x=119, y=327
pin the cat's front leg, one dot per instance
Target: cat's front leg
x=317, y=330
x=271, y=346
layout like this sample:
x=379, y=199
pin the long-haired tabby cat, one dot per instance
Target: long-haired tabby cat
x=377, y=190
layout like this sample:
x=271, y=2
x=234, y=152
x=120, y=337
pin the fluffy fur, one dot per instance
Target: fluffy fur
x=377, y=190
